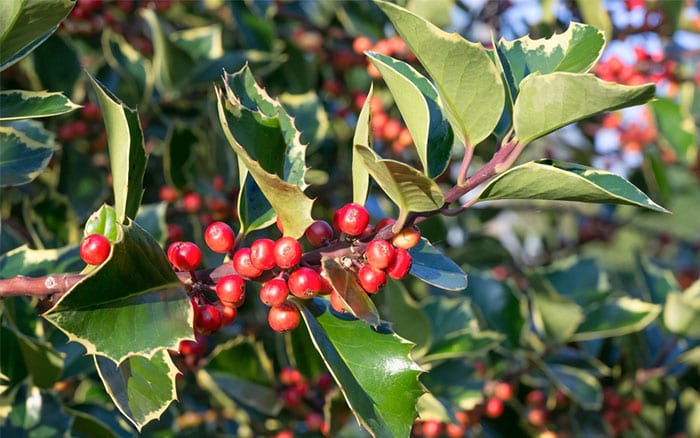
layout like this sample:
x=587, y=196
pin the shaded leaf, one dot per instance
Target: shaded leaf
x=309, y=115
x=467, y=343
x=435, y=268
x=43, y=363
x=580, y=279
x=558, y=180
x=57, y=65
x=579, y=385
x=549, y=101
x=345, y=283
x=372, y=367
x=21, y=104
x=178, y=156
x=556, y=316
x=25, y=150
x=37, y=262
x=472, y=91
x=497, y=307
x=362, y=136
x=127, y=153
x=203, y=42
x=676, y=126
x=418, y=102
x=407, y=187
x=682, y=312
x=141, y=388
x=130, y=63
x=137, y=291
x=408, y=319
x=616, y=317
x=34, y=413
x=26, y=24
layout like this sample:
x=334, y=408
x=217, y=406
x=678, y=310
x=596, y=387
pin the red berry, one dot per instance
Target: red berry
x=352, y=219
x=407, y=238
x=286, y=433
x=208, y=319
x=314, y=421
x=634, y=407
x=401, y=265
x=168, y=194
x=289, y=376
x=503, y=391
x=380, y=253
x=612, y=399
x=494, y=407
x=274, y=292
x=192, y=202
x=283, y=317
x=324, y=381
x=432, y=428
x=243, y=265
x=80, y=128
x=535, y=398
x=219, y=237
x=94, y=249
x=537, y=417
x=319, y=233
x=291, y=397
x=262, y=254
x=185, y=256
x=383, y=223
x=304, y=283
x=337, y=302
x=228, y=314
x=326, y=286
x=175, y=232
x=287, y=252
x=453, y=430
x=231, y=290
x=193, y=348
x=371, y=279
x=91, y=111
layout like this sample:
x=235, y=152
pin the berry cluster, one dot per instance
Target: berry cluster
x=619, y=411
x=278, y=265
x=304, y=400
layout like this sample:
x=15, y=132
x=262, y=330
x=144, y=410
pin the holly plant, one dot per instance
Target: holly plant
x=320, y=300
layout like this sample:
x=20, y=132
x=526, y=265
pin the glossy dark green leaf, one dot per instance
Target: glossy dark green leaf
x=309, y=116
x=25, y=24
x=141, y=388
x=254, y=210
x=469, y=342
x=435, y=268
x=409, y=320
x=57, y=65
x=151, y=218
x=127, y=153
x=21, y=104
x=87, y=426
x=137, y=291
x=556, y=316
x=497, y=307
x=580, y=279
x=134, y=68
x=579, y=385
x=418, y=102
x=43, y=363
x=178, y=156
x=372, y=367
x=26, y=150
x=268, y=147
x=36, y=262
x=616, y=317
x=345, y=283
x=558, y=180
x=34, y=413
x=549, y=101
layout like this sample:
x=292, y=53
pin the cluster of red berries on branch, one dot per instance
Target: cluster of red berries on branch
x=304, y=399
x=619, y=411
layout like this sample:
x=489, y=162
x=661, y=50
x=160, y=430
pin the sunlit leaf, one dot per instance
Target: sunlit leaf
x=21, y=104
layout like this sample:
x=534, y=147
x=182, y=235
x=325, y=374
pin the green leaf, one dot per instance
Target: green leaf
x=467, y=343
x=178, y=156
x=409, y=320
x=362, y=136
x=576, y=50
x=497, y=307
x=561, y=181
x=676, y=126
x=25, y=150
x=407, y=187
x=682, y=312
x=418, y=102
x=151, y=218
x=37, y=262
x=556, y=316
x=141, y=388
x=435, y=268
x=86, y=425
x=22, y=354
x=57, y=65
x=471, y=91
x=254, y=210
x=594, y=13
x=134, y=292
x=356, y=299
x=616, y=317
x=34, y=413
x=268, y=147
x=20, y=104
x=579, y=385
x=309, y=115
x=579, y=279
x=135, y=69
x=27, y=23
x=127, y=153
x=372, y=367
x=203, y=42
x=104, y=221
x=549, y=101
x=172, y=65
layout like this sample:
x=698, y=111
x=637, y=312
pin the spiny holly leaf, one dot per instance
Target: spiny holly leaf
x=575, y=51
x=140, y=387
x=173, y=66
x=134, y=293
x=406, y=186
x=362, y=136
x=435, y=268
x=616, y=317
x=372, y=367
x=594, y=12
x=26, y=24
x=419, y=104
x=356, y=299
x=20, y=104
x=36, y=262
x=268, y=147
x=133, y=67
x=26, y=150
x=37, y=358
x=558, y=180
x=471, y=90
x=127, y=154
x=549, y=101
